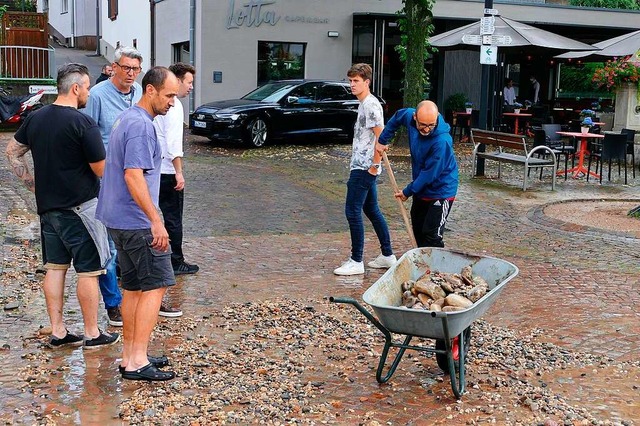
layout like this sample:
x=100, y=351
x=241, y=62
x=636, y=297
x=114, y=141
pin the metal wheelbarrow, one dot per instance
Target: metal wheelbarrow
x=451, y=330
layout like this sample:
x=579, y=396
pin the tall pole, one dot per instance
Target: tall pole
x=484, y=99
x=192, y=49
x=97, y=27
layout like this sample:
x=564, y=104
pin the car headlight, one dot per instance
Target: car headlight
x=228, y=116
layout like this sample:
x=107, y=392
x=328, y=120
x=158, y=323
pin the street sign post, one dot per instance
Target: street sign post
x=472, y=39
x=497, y=40
x=487, y=25
x=489, y=55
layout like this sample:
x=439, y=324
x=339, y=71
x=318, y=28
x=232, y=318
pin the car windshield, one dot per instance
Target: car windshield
x=270, y=92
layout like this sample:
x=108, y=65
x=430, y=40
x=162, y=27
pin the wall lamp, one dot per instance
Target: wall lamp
x=333, y=34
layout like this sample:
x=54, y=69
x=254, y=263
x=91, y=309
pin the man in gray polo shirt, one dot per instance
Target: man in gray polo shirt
x=107, y=101
x=128, y=206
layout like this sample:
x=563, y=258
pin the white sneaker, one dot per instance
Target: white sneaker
x=382, y=262
x=350, y=267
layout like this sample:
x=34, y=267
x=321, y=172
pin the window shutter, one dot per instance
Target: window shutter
x=113, y=9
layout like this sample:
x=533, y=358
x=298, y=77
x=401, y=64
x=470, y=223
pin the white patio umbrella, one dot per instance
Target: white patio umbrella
x=508, y=33
x=624, y=45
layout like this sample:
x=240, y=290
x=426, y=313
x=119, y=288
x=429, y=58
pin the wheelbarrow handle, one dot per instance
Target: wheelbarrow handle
x=363, y=311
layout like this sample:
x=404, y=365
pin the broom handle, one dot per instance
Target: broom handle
x=403, y=210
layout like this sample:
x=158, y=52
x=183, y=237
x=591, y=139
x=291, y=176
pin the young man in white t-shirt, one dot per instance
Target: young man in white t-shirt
x=169, y=129
x=362, y=194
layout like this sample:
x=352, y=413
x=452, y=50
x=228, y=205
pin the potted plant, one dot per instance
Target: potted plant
x=586, y=124
x=516, y=107
x=456, y=102
x=621, y=76
x=468, y=107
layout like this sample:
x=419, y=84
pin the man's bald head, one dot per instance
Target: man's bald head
x=426, y=117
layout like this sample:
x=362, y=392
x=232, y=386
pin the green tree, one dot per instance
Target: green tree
x=416, y=27
x=607, y=4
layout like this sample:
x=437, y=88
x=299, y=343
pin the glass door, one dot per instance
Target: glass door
x=374, y=41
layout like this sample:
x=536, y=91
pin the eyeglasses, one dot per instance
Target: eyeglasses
x=422, y=126
x=128, y=69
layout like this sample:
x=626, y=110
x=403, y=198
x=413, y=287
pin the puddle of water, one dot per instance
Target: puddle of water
x=593, y=389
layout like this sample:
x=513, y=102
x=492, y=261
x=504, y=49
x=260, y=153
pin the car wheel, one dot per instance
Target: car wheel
x=257, y=133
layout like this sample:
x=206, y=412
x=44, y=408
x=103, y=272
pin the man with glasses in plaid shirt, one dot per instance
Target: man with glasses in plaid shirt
x=107, y=101
x=433, y=168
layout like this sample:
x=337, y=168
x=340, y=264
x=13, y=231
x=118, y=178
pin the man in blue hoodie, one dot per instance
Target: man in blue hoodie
x=434, y=169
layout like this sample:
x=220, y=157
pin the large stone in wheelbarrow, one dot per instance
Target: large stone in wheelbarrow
x=431, y=289
x=457, y=301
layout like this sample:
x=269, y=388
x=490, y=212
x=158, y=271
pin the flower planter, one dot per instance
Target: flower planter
x=627, y=108
x=517, y=111
x=584, y=130
x=468, y=110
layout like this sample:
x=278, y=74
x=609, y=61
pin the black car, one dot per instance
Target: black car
x=280, y=109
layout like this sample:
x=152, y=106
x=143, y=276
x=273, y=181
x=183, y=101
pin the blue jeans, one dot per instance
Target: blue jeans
x=362, y=195
x=109, y=282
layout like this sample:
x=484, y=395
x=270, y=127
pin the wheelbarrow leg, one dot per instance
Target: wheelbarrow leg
x=457, y=383
x=383, y=358
x=388, y=341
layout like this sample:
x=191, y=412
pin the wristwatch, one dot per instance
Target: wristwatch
x=375, y=166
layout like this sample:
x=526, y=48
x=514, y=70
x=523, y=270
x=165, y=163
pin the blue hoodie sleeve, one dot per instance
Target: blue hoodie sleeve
x=392, y=126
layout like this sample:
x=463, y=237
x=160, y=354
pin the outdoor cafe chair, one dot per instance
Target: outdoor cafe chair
x=541, y=137
x=631, y=134
x=613, y=147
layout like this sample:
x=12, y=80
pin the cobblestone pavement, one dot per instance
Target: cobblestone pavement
x=268, y=225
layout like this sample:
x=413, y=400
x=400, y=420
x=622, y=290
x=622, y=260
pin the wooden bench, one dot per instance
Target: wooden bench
x=510, y=148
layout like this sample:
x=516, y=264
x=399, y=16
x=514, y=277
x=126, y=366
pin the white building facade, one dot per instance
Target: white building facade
x=72, y=22
x=236, y=45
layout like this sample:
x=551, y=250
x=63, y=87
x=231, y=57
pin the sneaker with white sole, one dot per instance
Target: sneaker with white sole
x=169, y=311
x=350, y=267
x=383, y=262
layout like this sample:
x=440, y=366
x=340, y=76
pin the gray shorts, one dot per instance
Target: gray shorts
x=142, y=268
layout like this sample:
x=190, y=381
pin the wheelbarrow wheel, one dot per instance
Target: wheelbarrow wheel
x=443, y=360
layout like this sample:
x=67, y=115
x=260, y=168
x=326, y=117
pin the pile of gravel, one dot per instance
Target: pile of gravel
x=264, y=375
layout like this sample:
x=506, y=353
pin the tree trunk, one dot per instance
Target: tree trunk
x=417, y=30
x=416, y=27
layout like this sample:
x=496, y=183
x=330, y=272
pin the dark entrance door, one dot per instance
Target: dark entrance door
x=374, y=41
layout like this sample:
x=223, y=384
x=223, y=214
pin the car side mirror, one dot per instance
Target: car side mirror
x=292, y=99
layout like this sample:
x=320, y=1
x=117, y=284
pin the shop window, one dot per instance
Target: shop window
x=64, y=6
x=180, y=52
x=280, y=61
x=113, y=9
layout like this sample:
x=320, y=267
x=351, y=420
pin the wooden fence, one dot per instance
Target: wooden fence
x=25, y=53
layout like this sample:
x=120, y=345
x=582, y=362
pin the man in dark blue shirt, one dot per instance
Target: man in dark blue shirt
x=434, y=170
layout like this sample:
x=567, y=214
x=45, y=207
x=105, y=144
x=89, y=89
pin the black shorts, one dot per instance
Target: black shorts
x=142, y=268
x=65, y=238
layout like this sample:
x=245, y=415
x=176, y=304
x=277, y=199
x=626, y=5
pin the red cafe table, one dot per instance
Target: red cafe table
x=516, y=118
x=580, y=168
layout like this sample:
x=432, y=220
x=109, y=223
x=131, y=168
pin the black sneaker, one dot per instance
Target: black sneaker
x=168, y=311
x=115, y=316
x=68, y=340
x=184, y=268
x=104, y=339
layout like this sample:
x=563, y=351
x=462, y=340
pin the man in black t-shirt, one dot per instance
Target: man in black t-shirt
x=68, y=158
